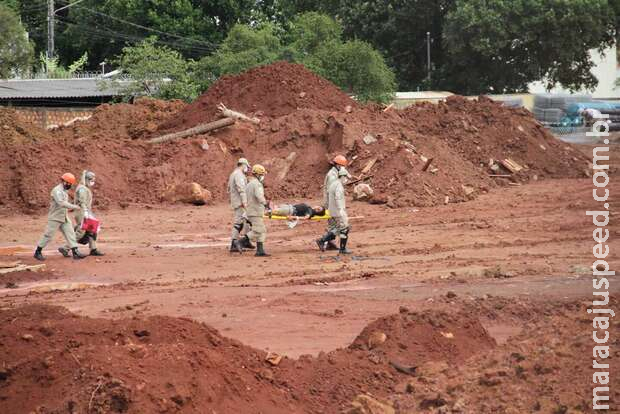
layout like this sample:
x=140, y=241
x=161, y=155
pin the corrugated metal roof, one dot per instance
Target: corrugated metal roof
x=56, y=88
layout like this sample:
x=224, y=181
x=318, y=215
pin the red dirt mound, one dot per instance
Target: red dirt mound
x=389, y=150
x=483, y=129
x=54, y=361
x=15, y=129
x=123, y=121
x=273, y=90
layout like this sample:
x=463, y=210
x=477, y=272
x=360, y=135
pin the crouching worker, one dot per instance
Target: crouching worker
x=339, y=221
x=256, y=208
x=58, y=218
x=84, y=199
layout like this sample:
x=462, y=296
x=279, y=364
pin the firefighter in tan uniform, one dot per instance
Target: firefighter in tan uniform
x=58, y=218
x=339, y=222
x=339, y=162
x=256, y=208
x=84, y=199
x=237, y=183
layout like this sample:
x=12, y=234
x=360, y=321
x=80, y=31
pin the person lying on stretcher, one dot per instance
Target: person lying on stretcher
x=296, y=211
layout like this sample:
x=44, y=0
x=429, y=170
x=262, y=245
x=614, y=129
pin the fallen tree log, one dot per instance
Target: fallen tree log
x=199, y=129
x=229, y=113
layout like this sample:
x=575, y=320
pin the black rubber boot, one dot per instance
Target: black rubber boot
x=76, y=254
x=95, y=252
x=246, y=243
x=331, y=245
x=235, y=246
x=38, y=254
x=326, y=239
x=260, y=250
x=343, y=247
x=64, y=251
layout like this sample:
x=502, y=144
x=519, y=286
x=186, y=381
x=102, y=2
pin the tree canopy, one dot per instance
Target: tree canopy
x=477, y=46
x=16, y=52
x=503, y=45
x=157, y=71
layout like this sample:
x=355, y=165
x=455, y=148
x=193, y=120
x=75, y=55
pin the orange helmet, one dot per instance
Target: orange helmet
x=68, y=178
x=340, y=160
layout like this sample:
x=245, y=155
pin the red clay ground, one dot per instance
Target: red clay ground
x=515, y=260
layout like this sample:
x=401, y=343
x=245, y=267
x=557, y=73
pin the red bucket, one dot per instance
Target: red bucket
x=90, y=225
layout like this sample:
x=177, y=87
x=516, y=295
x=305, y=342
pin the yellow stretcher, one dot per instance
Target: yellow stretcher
x=326, y=216
x=292, y=223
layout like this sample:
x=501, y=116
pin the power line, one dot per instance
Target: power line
x=204, y=42
x=108, y=34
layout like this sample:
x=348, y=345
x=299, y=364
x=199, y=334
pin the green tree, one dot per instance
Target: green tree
x=16, y=52
x=309, y=31
x=314, y=40
x=357, y=68
x=11, y=4
x=397, y=28
x=244, y=48
x=156, y=71
x=193, y=27
x=54, y=70
x=503, y=45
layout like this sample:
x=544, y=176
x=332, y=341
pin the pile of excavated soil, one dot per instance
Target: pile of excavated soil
x=54, y=361
x=122, y=120
x=484, y=129
x=545, y=368
x=14, y=129
x=437, y=359
x=303, y=123
x=273, y=91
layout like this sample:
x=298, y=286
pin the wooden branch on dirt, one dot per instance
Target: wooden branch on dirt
x=428, y=164
x=510, y=165
x=199, y=129
x=229, y=113
x=409, y=146
x=361, y=179
x=369, y=166
x=22, y=267
x=500, y=175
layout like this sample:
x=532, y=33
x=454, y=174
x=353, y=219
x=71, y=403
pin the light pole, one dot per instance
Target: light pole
x=50, y=29
x=51, y=12
x=428, y=57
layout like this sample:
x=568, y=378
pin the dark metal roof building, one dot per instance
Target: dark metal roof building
x=58, y=92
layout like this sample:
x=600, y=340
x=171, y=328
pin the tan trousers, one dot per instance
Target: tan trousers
x=239, y=224
x=66, y=228
x=339, y=226
x=259, y=230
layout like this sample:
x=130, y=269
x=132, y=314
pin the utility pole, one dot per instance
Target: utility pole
x=50, y=29
x=428, y=57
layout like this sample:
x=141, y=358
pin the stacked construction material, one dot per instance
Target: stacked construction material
x=553, y=109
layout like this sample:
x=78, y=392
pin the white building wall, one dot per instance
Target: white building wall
x=606, y=71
